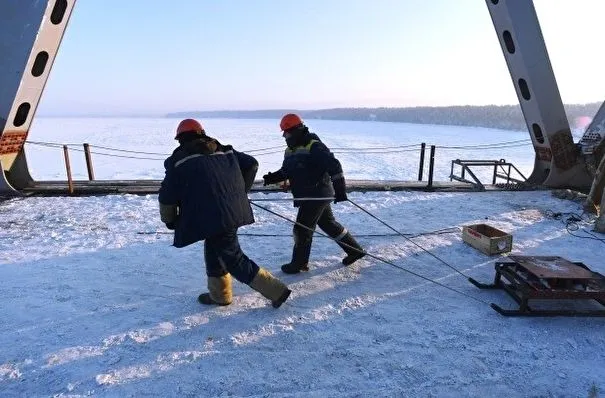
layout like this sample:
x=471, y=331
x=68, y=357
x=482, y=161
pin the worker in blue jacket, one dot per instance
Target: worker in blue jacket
x=312, y=172
x=204, y=197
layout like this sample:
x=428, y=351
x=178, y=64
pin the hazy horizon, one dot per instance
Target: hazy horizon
x=165, y=114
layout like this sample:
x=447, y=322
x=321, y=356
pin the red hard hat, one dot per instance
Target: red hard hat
x=189, y=126
x=290, y=120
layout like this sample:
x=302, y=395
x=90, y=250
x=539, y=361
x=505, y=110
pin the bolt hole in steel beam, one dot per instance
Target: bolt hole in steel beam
x=21, y=115
x=538, y=133
x=494, y=2
x=40, y=64
x=58, y=12
x=508, y=42
x=524, y=89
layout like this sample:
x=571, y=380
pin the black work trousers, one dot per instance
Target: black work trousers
x=312, y=214
x=223, y=255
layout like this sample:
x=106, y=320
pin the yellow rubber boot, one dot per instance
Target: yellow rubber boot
x=270, y=287
x=219, y=291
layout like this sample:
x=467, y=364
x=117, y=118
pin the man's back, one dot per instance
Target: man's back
x=205, y=181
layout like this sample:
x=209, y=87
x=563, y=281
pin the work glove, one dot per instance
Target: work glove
x=340, y=190
x=272, y=178
x=170, y=226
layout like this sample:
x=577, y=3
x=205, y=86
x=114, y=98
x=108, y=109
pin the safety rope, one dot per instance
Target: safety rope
x=437, y=232
x=129, y=151
x=291, y=199
x=377, y=148
x=487, y=146
x=279, y=149
x=374, y=256
x=76, y=147
x=408, y=239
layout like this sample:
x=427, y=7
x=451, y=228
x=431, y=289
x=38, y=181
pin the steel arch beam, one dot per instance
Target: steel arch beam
x=558, y=161
x=31, y=32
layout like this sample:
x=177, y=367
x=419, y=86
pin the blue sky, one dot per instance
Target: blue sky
x=151, y=57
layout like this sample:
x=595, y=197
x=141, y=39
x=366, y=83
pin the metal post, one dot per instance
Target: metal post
x=70, y=182
x=421, y=167
x=431, y=166
x=91, y=174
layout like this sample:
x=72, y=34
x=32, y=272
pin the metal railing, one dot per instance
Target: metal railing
x=501, y=169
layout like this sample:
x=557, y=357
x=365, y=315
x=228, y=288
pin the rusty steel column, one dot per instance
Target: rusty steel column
x=558, y=161
x=31, y=32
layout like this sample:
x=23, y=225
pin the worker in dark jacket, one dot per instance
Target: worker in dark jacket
x=313, y=173
x=204, y=197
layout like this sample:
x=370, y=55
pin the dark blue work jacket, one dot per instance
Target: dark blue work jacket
x=205, y=180
x=311, y=168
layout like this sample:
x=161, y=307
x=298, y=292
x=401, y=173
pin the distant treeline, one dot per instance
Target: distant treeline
x=507, y=117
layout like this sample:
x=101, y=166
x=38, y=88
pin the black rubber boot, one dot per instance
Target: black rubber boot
x=351, y=258
x=300, y=260
x=292, y=268
x=277, y=303
x=205, y=298
x=353, y=249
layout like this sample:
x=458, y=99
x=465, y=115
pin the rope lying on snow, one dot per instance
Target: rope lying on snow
x=377, y=257
x=436, y=232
